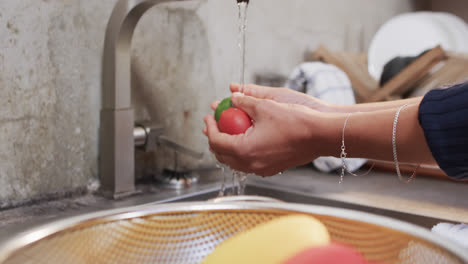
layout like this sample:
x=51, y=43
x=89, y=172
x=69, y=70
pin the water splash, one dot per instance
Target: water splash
x=238, y=181
x=223, y=168
x=241, y=182
x=234, y=182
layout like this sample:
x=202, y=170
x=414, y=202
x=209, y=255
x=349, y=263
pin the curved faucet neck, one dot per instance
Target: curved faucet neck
x=116, y=93
x=116, y=140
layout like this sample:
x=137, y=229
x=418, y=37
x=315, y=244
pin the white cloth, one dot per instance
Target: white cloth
x=332, y=85
x=457, y=233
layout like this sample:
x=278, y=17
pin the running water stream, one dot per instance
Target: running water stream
x=239, y=179
x=242, y=27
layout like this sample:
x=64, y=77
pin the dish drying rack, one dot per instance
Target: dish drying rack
x=436, y=68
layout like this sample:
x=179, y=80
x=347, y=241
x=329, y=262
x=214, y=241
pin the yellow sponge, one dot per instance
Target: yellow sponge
x=271, y=242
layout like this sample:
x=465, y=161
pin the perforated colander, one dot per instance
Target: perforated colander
x=187, y=232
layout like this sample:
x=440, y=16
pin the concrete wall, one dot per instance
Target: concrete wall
x=50, y=75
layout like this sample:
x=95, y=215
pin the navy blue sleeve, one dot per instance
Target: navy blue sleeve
x=443, y=115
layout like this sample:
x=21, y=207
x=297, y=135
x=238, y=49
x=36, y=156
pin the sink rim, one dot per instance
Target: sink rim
x=36, y=234
x=290, y=190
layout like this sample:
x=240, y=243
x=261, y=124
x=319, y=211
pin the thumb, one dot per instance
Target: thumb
x=246, y=103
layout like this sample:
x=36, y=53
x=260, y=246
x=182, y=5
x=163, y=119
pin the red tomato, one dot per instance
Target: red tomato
x=234, y=121
x=329, y=254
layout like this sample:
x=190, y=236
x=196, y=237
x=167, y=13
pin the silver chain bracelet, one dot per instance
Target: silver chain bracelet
x=343, y=154
x=395, y=156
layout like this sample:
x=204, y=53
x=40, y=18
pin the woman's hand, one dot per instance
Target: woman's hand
x=282, y=136
x=283, y=95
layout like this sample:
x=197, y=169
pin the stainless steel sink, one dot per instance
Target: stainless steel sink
x=301, y=187
x=294, y=196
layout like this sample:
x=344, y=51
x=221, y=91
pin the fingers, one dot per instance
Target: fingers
x=214, y=105
x=233, y=163
x=246, y=103
x=257, y=91
x=211, y=125
x=235, y=88
x=219, y=142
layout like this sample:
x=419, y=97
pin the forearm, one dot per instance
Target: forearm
x=369, y=107
x=369, y=135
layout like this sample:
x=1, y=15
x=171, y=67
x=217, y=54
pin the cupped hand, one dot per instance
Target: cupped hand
x=282, y=95
x=282, y=136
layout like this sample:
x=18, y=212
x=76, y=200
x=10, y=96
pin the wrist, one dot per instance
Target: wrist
x=344, y=109
x=327, y=133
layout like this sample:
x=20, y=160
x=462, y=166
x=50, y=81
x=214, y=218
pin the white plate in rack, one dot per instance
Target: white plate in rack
x=412, y=33
x=457, y=29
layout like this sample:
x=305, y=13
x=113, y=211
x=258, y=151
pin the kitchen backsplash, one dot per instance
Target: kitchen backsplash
x=183, y=58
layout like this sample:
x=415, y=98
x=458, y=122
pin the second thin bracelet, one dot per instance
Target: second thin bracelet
x=343, y=150
x=395, y=156
x=343, y=154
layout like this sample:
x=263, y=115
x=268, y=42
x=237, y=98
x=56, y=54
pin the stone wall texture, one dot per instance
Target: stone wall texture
x=184, y=56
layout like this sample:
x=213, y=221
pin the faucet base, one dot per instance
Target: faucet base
x=117, y=152
x=177, y=179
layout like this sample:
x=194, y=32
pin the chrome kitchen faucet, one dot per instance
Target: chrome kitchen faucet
x=118, y=133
